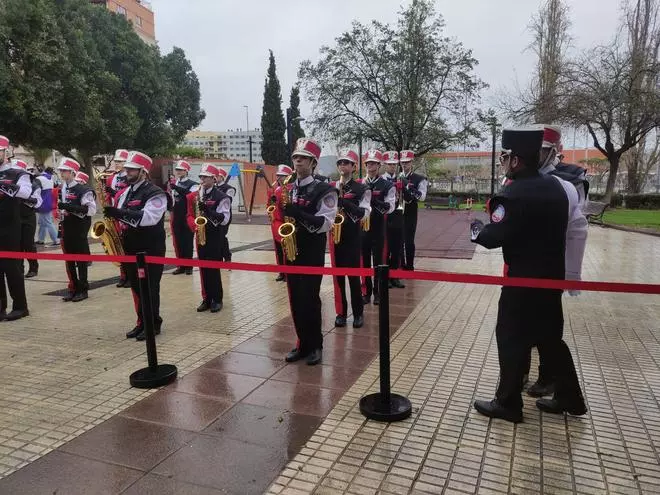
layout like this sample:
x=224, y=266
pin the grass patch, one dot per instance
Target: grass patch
x=646, y=219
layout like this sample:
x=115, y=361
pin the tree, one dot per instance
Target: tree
x=273, y=126
x=294, y=105
x=403, y=87
x=640, y=160
x=78, y=79
x=613, y=90
x=41, y=155
x=184, y=152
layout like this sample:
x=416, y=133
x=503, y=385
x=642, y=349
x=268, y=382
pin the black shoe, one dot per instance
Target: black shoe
x=189, y=271
x=133, y=333
x=408, y=268
x=494, y=409
x=358, y=321
x=69, y=297
x=340, y=321
x=295, y=355
x=123, y=283
x=280, y=278
x=314, y=357
x=30, y=274
x=80, y=296
x=541, y=388
x=17, y=314
x=397, y=283
x=376, y=299
x=40, y=243
x=366, y=299
x=575, y=407
x=215, y=307
x=204, y=306
x=179, y=270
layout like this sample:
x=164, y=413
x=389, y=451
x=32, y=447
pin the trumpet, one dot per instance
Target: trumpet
x=287, y=230
x=200, y=222
x=106, y=229
x=339, y=218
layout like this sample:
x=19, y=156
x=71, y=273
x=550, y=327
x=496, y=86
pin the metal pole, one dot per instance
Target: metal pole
x=492, y=159
x=254, y=190
x=247, y=118
x=250, y=144
x=154, y=375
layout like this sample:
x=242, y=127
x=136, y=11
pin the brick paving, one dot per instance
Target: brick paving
x=237, y=405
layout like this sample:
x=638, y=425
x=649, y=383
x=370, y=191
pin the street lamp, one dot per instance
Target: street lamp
x=494, y=126
x=289, y=130
x=247, y=118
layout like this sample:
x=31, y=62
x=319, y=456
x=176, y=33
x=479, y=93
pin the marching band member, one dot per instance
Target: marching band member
x=209, y=210
x=374, y=242
x=283, y=171
x=355, y=205
x=15, y=185
x=116, y=183
x=182, y=236
x=141, y=209
x=312, y=205
x=395, y=218
x=529, y=220
x=77, y=205
x=230, y=191
x=29, y=218
x=414, y=191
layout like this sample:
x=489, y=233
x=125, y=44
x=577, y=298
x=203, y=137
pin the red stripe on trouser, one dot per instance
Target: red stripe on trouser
x=339, y=307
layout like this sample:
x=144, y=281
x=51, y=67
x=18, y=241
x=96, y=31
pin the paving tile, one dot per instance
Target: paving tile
x=225, y=464
x=152, y=484
x=246, y=364
x=128, y=442
x=299, y=398
x=179, y=410
x=275, y=349
x=59, y=472
x=326, y=376
x=209, y=382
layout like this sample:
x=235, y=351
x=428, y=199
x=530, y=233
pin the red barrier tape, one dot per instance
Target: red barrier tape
x=465, y=278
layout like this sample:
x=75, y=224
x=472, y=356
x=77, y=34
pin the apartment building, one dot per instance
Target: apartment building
x=233, y=144
x=138, y=12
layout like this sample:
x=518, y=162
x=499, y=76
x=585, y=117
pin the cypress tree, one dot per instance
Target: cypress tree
x=294, y=105
x=273, y=126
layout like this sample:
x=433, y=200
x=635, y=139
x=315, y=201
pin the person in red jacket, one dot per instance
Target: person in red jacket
x=283, y=171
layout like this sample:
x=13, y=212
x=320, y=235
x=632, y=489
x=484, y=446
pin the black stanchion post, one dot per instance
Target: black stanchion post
x=155, y=375
x=384, y=405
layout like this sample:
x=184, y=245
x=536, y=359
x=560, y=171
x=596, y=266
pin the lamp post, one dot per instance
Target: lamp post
x=494, y=126
x=247, y=118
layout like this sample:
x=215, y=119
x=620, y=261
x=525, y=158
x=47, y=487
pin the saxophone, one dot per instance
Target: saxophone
x=106, y=229
x=287, y=231
x=339, y=218
x=366, y=221
x=200, y=221
x=270, y=210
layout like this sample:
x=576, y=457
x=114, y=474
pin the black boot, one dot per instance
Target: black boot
x=215, y=307
x=280, y=278
x=493, y=409
x=295, y=355
x=543, y=386
x=31, y=274
x=557, y=405
x=340, y=321
x=397, y=283
x=314, y=357
x=80, y=296
x=179, y=270
x=17, y=314
x=69, y=297
x=204, y=306
x=189, y=270
x=133, y=333
x=358, y=321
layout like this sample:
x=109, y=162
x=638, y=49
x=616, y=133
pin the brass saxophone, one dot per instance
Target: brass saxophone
x=270, y=211
x=287, y=231
x=339, y=218
x=366, y=221
x=105, y=229
x=200, y=221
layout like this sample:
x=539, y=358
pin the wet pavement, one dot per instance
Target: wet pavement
x=239, y=417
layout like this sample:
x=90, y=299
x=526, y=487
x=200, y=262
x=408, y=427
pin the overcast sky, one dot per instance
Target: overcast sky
x=227, y=41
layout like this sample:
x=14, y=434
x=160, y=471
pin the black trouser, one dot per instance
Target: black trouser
x=409, y=231
x=10, y=271
x=373, y=247
x=279, y=253
x=211, y=251
x=28, y=230
x=347, y=254
x=225, y=252
x=183, y=236
x=395, y=239
x=527, y=317
x=75, y=241
x=304, y=291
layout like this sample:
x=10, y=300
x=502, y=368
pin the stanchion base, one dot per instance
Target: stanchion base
x=373, y=407
x=145, y=378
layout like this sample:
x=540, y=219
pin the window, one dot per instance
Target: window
x=121, y=10
x=138, y=20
